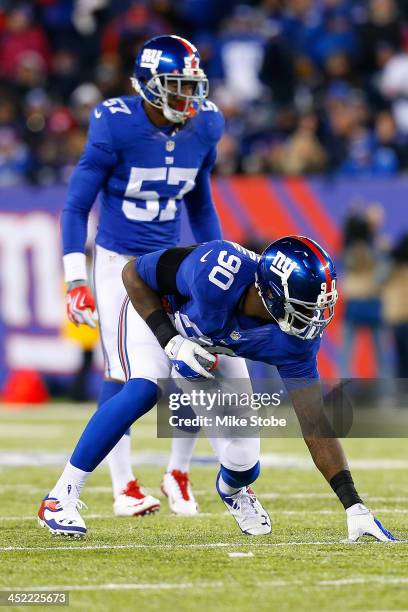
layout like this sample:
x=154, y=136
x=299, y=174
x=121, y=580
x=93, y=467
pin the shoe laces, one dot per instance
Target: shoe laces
x=244, y=502
x=183, y=483
x=71, y=507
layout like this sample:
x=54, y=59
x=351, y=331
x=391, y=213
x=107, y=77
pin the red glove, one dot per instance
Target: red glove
x=81, y=306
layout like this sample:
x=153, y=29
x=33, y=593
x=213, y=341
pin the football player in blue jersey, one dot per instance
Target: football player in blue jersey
x=228, y=301
x=146, y=155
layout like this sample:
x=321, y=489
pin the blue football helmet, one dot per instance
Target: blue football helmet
x=163, y=65
x=296, y=280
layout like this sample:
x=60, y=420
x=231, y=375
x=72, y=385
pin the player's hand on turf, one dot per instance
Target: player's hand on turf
x=361, y=522
x=81, y=306
x=190, y=359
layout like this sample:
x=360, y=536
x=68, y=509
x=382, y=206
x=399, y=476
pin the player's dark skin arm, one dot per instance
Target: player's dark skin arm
x=144, y=300
x=327, y=452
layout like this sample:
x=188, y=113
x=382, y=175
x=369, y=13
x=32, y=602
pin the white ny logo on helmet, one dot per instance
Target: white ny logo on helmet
x=282, y=265
x=150, y=58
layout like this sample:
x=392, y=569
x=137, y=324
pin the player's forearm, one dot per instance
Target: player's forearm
x=147, y=304
x=86, y=181
x=330, y=460
x=324, y=447
x=74, y=226
x=328, y=456
x=74, y=223
x=202, y=214
x=74, y=231
x=206, y=225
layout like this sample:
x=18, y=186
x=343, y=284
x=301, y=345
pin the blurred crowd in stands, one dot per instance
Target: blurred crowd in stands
x=374, y=287
x=306, y=86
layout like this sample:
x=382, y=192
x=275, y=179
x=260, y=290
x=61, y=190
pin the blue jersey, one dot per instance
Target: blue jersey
x=144, y=174
x=211, y=281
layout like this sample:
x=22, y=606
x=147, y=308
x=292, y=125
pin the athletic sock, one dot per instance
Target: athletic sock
x=119, y=459
x=70, y=483
x=110, y=422
x=226, y=489
x=120, y=465
x=181, y=452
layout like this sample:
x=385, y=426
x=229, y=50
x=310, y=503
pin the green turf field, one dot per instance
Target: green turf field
x=165, y=563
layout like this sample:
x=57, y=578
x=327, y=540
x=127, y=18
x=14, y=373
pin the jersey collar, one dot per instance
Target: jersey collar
x=170, y=131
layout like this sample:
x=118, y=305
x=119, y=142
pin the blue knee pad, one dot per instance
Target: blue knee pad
x=237, y=480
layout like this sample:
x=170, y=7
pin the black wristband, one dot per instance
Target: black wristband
x=161, y=326
x=343, y=486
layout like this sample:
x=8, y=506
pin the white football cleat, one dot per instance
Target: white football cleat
x=244, y=506
x=133, y=501
x=360, y=522
x=61, y=517
x=177, y=488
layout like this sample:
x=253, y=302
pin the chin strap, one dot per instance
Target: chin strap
x=284, y=325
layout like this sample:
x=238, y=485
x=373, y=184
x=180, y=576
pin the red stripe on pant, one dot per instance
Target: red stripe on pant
x=122, y=356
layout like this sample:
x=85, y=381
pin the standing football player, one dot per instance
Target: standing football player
x=146, y=155
x=227, y=299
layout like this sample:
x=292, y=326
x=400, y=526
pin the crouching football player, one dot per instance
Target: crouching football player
x=147, y=155
x=270, y=308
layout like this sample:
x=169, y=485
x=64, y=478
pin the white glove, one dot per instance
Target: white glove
x=361, y=522
x=189, y=358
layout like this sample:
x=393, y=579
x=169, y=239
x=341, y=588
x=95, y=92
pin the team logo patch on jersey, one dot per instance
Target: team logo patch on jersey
x=235, y=335
x=170, y=144
x=150, y=58
x=283, y=265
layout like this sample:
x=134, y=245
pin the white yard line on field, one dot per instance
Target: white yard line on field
x=212, y=585
x=34, y=430
x=364, y=580
x=159, y=458
x=208, y=545
x=339, y=582
x=125, y=586
x=90, y=489
x=111, y=516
